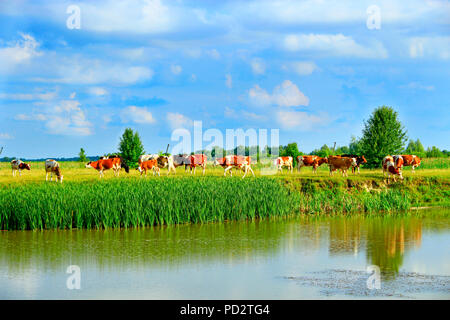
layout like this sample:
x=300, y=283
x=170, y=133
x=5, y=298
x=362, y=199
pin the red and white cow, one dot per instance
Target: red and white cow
x=149, y=165
x=310, y=161
x=238, y=162
x=115, y=164
x=390, y=167
x=287, y=162
x=19, y=165
x=146, y=157
x=197, y=160
x=52, y=167
x=411, y=160
x=341, y=163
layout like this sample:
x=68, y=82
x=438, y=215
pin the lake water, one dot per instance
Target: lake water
x=296, y=258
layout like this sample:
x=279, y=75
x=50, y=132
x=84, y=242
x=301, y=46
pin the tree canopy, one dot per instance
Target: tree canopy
x=130, y=146
x=383, y=134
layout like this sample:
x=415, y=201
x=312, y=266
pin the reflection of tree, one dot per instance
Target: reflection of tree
x=345, y=235
x=388, y=238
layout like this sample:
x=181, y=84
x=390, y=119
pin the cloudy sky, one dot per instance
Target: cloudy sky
x=314, y=69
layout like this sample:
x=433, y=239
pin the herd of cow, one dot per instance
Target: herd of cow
x=392, y=165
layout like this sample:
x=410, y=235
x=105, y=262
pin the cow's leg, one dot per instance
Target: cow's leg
x=46, y=176
x=225, y=172
x=204, y=169
x=13, y=172
x=251, y=170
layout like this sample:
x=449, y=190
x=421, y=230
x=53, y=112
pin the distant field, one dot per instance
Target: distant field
x=75, y=171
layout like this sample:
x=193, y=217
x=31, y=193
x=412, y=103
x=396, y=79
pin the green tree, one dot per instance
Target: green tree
x=82, y=156
x=434, y=152
x=355, y=146
x=383, y=134
x=130, y=147
x=416, y=147
x=324, y=151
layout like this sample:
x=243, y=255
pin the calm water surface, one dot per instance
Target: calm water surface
x=298, y=258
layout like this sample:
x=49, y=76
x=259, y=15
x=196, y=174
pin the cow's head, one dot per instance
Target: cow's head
x=363, y=159
x=88, y=165
x=322, y=161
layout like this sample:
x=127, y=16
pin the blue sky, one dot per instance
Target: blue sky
x=312, y=69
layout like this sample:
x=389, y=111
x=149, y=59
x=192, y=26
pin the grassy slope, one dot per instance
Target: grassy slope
x=29, y=202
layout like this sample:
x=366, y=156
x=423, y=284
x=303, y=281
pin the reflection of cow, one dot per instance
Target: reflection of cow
x=52, y=167
x=287, y=162
x=19, y=165
x=310, y=161
x=238, y=162
x=340, y=163
x=197, y=160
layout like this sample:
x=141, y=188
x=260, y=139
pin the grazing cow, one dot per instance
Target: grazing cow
x=149, y=165
x=52, y=167
x=341, y=163
x=310, y=161
x=411, y=160
x=166, y=162
x=101, y=165
x=197, y=160
x=19, y=165
x=238, y=162
x=181, y=160
x=390, y=168
x=287, y=162
x=359, y=161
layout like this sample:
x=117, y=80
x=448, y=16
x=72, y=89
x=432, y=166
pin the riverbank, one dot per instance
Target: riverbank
x=134, y=202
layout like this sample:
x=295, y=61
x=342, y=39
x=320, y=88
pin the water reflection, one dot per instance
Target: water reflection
x=383, y=240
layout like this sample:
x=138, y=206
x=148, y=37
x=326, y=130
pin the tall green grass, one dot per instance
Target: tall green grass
x=435, y=163
x=143, y=202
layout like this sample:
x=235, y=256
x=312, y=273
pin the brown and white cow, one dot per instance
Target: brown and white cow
x=238, y=162
x=115, y=164
x=390, y=167
x=340, y=163
x=166, y=162
x=52, y=167
x=19, y=165
x=149, y=165
x=411, y=160
x=359, y=161
x=287, y=162
x=310, y=161
x=146, y=157
x=197, y=160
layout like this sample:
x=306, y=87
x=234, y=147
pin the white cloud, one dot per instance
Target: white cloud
x=334, y=45
x=64, y=118
x=300, y=121
x=137, y=115
x=176, y=69
x=302, y=68
x=77, y=70
x=73, y=95
x=286, y=94
x=177, y=120
x=18, y=52
x=28, y=96
x=5, y=136
x=418, y=86
x=258, y=66
x=98, y=91
x=214, y=54
x=228, y=81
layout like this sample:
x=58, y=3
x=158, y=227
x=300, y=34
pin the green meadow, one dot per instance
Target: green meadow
x=85, y=201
